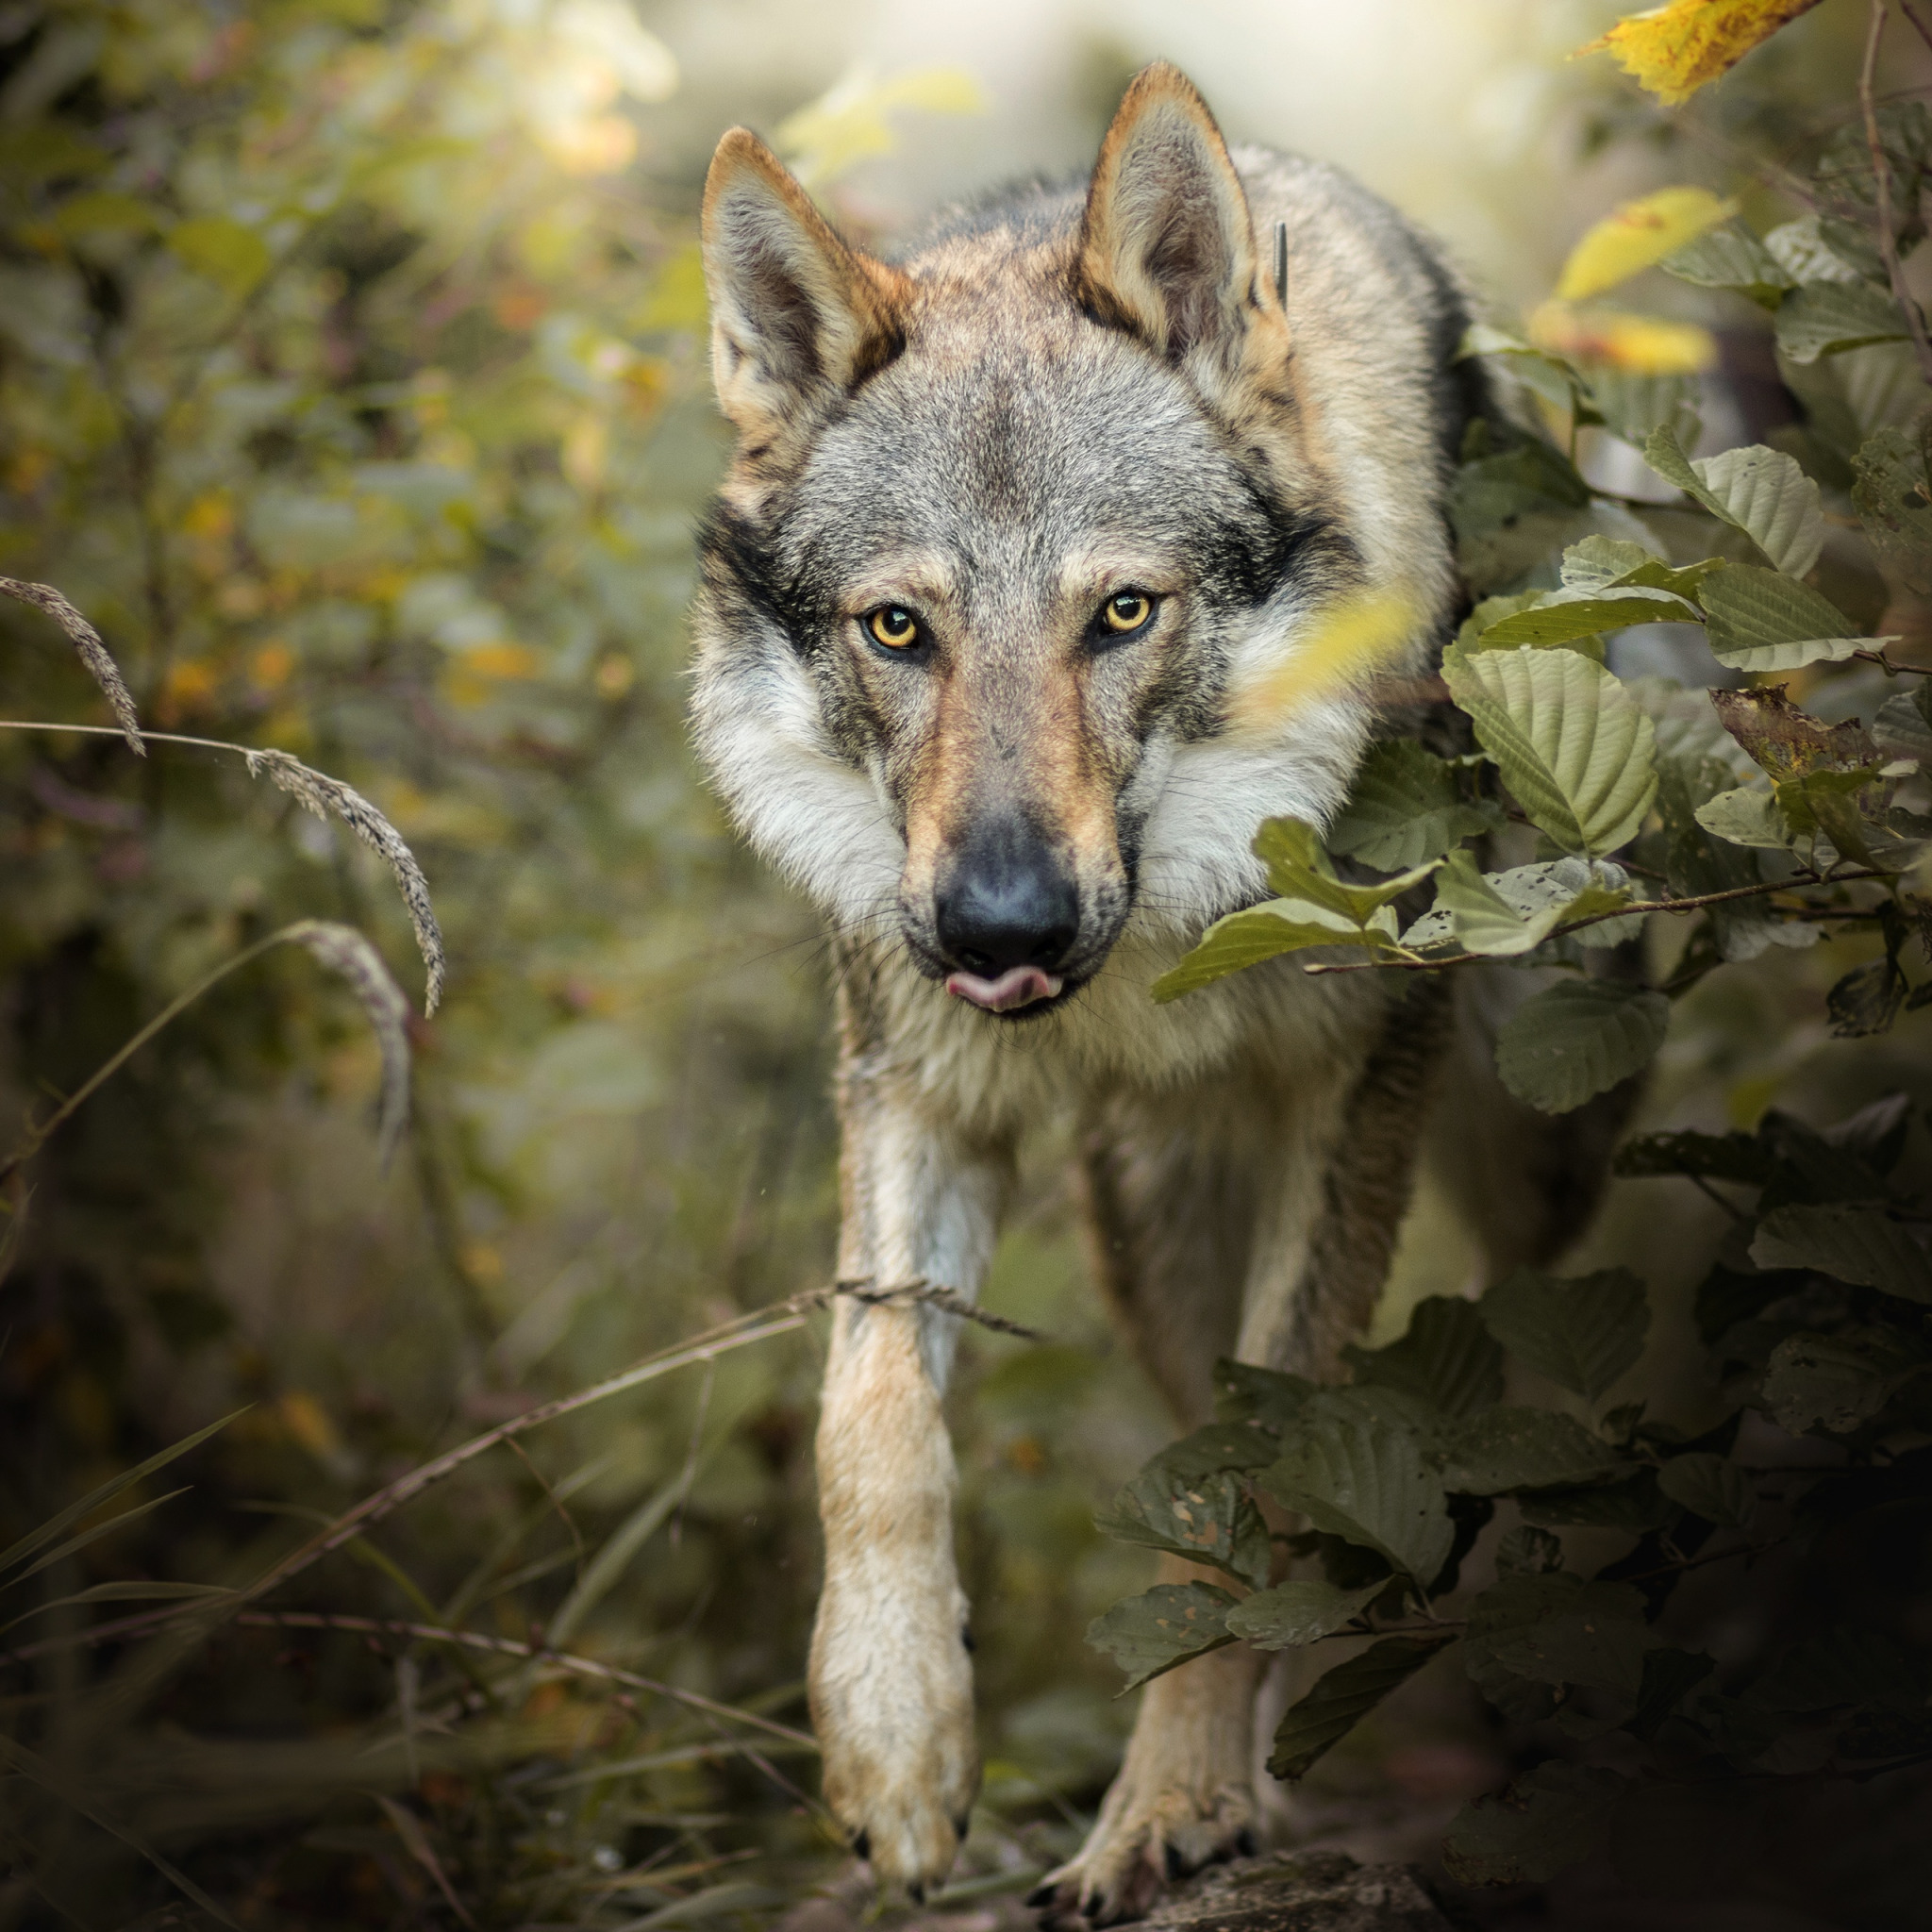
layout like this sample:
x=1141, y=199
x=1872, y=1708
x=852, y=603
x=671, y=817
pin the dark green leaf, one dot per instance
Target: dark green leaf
x=1211, y=1450
x=1636, y=1505
x=1559, y=617
x=1850, y=1242
x=1445, y=1358
x=1404, y=810
x=1547, y=1819
x=1669, y=1678
x=1210, y=1519
x=1300, y=1611
x=1528, y=1552
x=1894, y=501
x=1245, y=1393
x=1635, y=404
x=1507, y=1449
x=1578, y=1039
x=1867, y=1000
x=1345, y=1695
x=1712, y=1487
x=1583, y=1332
x=1148, y=1635
x=1836, y=1382
x=1760, y=619
x=1366, y=1481
x=1558, y=1629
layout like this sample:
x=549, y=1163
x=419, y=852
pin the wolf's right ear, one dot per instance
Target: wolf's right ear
x=1166, y=246
x=797, y=316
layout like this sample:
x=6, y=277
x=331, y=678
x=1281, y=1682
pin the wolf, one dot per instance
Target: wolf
x=1021, y=530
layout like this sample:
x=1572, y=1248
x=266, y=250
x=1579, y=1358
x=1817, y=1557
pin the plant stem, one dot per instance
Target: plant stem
x=1881, y=171
x=1692, y=905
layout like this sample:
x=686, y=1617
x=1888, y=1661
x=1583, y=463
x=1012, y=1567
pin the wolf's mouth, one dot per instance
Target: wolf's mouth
x=1017, y=987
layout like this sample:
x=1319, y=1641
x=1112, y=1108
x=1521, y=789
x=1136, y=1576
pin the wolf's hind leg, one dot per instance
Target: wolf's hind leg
x=1322, y=1176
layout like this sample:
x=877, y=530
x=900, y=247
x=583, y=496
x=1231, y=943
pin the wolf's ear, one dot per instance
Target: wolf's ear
x=1167, y=246
x=797, y=316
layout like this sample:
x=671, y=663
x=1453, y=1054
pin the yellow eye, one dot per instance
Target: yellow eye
x=894, y=627
x=1129, y=611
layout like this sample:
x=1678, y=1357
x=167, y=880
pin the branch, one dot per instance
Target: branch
x=1881, y=170
x=1643, y=907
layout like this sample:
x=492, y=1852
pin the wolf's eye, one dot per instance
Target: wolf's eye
x=893, y=626
x=1127, y=612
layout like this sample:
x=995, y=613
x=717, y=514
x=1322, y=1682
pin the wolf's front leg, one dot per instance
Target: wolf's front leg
x=890, y=1681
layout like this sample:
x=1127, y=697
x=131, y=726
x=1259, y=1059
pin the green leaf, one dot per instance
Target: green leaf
x=1548, y=1820
x=1558, y=616
x=1148, y=1635
x=1747, y=815
x=1298, y=868
x=1444, y=1359
x=1579, y=1039
x=1550, y=377
x=1828, y=317
x=1504, y=914
x=1299, y=1612
x=1759, y=620
x=1210, y=1519
x=1343, y=1696
x=1572, y=743
x=1366, y=1481
x=1759, y=491
x=1804, y=254
x=1216, y=1447
x=1710, y=1486
x=1836, y=1382
x=1669, y=1678
x=1404, y=810
x=1635, y=404
x=1849, y=1242
x=1584, y=1332
x=1731, y=256
x=1602, y=563
x=1509, y=1450
x=1264, y=932
x=234, y=257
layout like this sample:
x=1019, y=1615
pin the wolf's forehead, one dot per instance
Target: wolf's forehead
x=1040, y=443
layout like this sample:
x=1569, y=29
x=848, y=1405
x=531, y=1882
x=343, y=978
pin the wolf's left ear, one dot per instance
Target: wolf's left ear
x=1166, y=246
x=797, y=316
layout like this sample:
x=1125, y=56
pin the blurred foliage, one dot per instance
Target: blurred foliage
x=352, y=380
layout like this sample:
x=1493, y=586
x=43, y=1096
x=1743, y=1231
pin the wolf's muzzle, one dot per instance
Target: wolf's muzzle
x=1007, y=913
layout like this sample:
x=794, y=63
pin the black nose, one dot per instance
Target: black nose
x=1005, y=900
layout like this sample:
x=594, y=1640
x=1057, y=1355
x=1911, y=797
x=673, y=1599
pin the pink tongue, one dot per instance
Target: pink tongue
x=1018, y=985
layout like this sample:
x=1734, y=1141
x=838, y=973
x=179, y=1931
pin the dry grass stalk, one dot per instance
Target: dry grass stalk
x=347, y=952
x=330, y=797
x=94, y=653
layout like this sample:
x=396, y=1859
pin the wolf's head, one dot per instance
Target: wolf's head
x=1010, y=529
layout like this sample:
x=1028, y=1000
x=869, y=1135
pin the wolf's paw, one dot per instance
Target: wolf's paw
x=894, y=1722
x=1146, y=1837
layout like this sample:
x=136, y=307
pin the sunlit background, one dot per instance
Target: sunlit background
x=352, y=378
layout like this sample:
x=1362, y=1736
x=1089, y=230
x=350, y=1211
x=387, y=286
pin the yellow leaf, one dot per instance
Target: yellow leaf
x=1353, y=640
x=848, y=122
x=1674, y=50
x=1639, y=344
x=1638, y=235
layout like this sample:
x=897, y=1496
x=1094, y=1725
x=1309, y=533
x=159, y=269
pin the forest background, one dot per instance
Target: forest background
x=352, y=381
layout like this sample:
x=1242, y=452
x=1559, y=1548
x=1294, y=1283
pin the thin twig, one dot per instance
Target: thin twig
x=529, y=1653
x=1877, y=657
x=1919, y=27
x=1642, y=907
x=1881, y=171
x=948, y=1301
